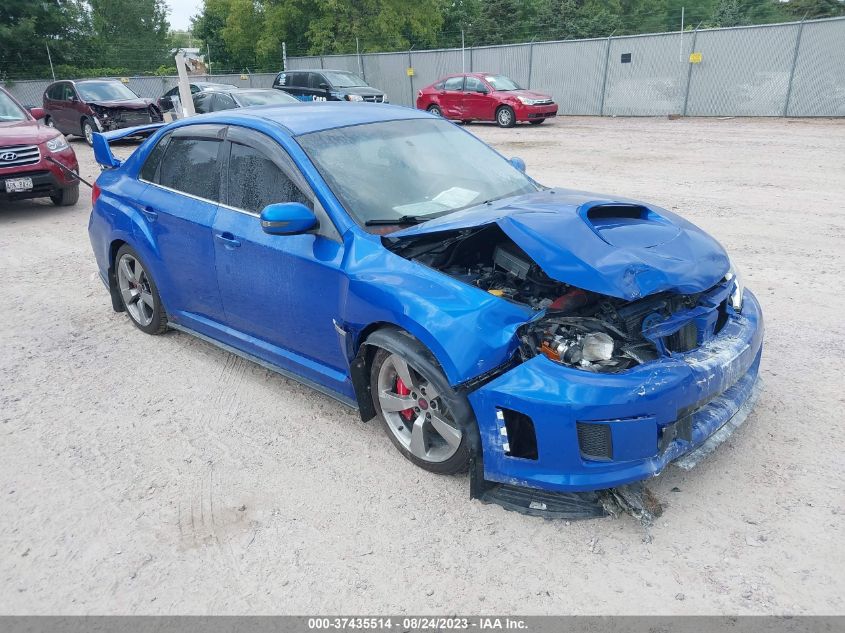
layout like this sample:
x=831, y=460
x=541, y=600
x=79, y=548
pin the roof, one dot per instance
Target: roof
x=320, y=70
x=324, y=115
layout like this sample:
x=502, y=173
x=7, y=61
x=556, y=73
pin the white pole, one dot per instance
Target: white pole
x=208, y=50
x=184, y=86
x=49, y=57
x=284, y=56
x=681, y=51
x=358, y=54
x=463, y=57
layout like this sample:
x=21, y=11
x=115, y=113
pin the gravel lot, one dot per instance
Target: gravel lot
x=160, y=475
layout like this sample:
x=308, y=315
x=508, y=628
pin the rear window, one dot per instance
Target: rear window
x=190, y=165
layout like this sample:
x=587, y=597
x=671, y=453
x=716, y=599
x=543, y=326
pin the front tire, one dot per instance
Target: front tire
x=435, y=110
x=138, y=292
x=66, y=197
x=505, y=117
x=48, y=121
x=427, y=421
x=88, y=131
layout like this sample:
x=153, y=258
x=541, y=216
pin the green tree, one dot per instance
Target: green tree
x=812, y=9
x=727, y=13
x=132, y=33
x=208, y=30
x=27, y=27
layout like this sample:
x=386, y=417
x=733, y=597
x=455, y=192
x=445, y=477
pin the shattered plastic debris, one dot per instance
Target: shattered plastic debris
x=636, y=499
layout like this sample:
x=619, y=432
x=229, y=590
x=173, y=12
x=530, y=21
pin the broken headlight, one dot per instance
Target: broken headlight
x=738, y=289
x=593, y=351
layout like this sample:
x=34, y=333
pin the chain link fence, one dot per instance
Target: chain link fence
x=795, y=69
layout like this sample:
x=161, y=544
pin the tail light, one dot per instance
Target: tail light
x=419, y=93
x=95, y=193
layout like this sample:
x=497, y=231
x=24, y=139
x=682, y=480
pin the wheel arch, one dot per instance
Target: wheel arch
x=114, y=246
x=383, y=335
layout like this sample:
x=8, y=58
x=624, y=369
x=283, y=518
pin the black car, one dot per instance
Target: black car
x=216, y=100
x=327, y=85
x=165, y=101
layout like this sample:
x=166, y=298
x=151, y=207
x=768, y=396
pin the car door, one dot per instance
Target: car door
x=477, y=102
x=451, y=97
x=61, y=108
x=297, y=85
x=178, y=208
x=282, y=292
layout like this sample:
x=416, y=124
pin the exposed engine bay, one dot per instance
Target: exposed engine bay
x=578, y=328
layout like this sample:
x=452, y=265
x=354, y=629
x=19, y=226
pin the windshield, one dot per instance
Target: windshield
x=104, y=91
x=394, y=170
x=500, y=82
x=9, y=110
x=343, y=80
x=264, y=97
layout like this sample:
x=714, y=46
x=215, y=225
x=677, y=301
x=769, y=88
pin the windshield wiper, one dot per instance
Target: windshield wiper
x=405, y=219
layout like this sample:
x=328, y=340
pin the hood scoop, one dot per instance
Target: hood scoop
x=628, y=225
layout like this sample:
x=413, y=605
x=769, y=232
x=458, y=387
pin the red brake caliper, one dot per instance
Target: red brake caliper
x=402, y=390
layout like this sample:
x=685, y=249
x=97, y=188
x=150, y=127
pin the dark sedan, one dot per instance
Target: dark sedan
x=216, y=100
x=165, y=101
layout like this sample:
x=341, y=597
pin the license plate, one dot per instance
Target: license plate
x=16, y=185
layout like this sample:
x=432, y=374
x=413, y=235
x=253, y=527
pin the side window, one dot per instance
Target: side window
x=455, y=83
x=280, y=79
x=299, y=80
x=70, y=93
x=473, y=84
x=194, y=89
x=202, y=102
x=190, y=165
x=255, y=181
x=314, y=81
x=150, y=169
x=439, y=85
x=223, y=101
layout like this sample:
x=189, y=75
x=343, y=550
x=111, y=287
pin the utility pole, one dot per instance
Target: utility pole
x=358, y=53
x=463, y=57
x=208, y=50
x=681, y=51
x=284, y=56
x=50, y=58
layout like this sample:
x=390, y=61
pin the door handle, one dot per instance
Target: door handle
x=149, y=213
x=228, y=240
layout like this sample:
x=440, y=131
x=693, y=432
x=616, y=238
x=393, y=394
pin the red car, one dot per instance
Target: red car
x=485, y=97
x=25, y=146
x=96, y=105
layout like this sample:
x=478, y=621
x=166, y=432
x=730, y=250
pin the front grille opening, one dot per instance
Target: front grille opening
x=684, y=340
x=521, y=435
x=594, y=441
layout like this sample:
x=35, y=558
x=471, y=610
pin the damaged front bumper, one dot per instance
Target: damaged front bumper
x=559, y=429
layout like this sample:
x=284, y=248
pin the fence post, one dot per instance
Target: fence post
x=530, y=61
x=321, y=62
x=411, y=78
x=604, y=81
x=794, y=62
x=689, y=72
x=470, y=60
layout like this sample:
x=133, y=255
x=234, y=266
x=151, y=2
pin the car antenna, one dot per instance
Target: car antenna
x=70, y=171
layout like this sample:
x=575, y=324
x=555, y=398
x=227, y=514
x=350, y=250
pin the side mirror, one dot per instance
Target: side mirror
x=287, y=218
x=324, y=86
x=482, y=91
x=37, y=113
x=517, y=162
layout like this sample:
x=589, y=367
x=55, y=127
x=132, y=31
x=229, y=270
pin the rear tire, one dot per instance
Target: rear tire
x=466, y=121
x=437, y=429
x=505, y=117
x=66, y=197
x=138, y=292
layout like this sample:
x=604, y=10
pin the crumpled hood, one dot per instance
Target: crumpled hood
x=612, y=246
x=129, y=104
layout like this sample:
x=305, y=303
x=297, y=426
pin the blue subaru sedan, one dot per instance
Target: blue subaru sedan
x=553, y=341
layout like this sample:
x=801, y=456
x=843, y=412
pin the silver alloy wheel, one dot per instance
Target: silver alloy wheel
x=429, y=433
x=135, y=290
x=436, y=111
x=505, y=117
x=89, y=132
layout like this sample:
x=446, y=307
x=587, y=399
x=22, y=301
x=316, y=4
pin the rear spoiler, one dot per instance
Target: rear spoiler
x=100, y=143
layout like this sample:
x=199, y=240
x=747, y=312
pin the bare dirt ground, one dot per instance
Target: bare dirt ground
x=160, y=475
